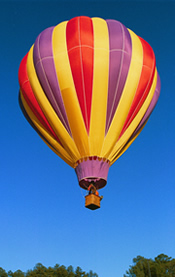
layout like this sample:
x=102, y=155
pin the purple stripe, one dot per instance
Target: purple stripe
x=151, y=106
x=46, y=72
x=119, y=62
x=91, y=170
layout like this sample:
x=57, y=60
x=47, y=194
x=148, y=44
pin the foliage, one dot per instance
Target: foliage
x=161, y=266
x=3, y=273
x=41, y=271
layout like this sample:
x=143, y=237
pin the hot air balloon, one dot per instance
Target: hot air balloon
x=88, y=87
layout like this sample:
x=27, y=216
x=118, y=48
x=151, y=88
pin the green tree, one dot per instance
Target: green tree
x=70, y=271
x=79, y=272
x=61, y=271
x=91, y=274
x=50, y=272
x=10, y=273
x=17, y=273
x=161, y=266
x=57, y=271
x=3, y=273
x=39, y=271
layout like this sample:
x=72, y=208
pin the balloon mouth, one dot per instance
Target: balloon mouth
x=97, y=182
x=92, y=170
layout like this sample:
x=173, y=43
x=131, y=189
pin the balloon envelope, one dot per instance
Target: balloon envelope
x=88, y=87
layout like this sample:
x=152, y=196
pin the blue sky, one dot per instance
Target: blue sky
x=42, y=212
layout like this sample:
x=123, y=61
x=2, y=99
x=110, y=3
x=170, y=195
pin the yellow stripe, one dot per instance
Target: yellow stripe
x=127, y=96
x=49, y=112
x=129, y=131
x=52, y=142
x=68, y=91
x=125, y=147
x=100, y=86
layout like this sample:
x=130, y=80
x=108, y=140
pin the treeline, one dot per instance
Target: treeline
x=41, y=271
x=161, y=266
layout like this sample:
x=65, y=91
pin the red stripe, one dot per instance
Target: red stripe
x=144, y=85
x=30, y=98
x=80, y=43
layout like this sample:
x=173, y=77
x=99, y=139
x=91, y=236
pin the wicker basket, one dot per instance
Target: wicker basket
x=92, y=201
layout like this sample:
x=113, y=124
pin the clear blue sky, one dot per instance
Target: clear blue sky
x=42, y=214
